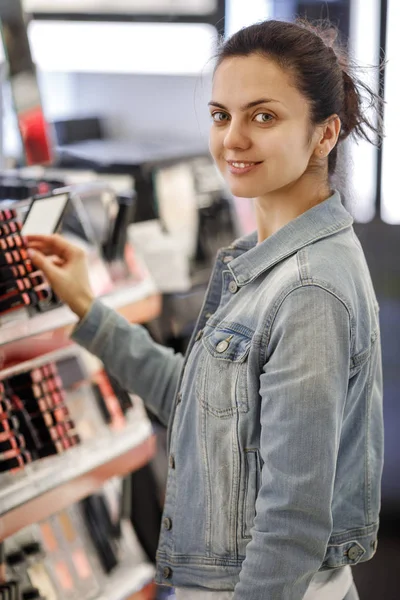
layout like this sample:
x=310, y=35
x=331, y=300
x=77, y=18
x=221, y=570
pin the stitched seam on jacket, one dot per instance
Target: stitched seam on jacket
x=303, y=264
x=270, y=320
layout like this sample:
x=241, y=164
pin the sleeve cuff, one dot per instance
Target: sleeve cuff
x=88, y=328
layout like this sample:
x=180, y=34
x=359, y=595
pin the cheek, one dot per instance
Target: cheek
x=288, y=150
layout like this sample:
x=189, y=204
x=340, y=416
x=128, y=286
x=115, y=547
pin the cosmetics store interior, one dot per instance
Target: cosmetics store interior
x=103, y=139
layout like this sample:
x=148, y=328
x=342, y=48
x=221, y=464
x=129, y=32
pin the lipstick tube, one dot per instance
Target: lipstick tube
x=8, y=424
x=8, y=214
x=18, y=285
x=46, y=434
x=9, y=228
x=16, y=462
x=29, y=392
x=13, y=272
x=6, y=258
x=55, y=447
x=12, y=443
x=5, y=407
x=18, y=301
x=5, y=230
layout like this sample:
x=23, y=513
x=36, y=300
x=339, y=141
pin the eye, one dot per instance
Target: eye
x=219, y=117
x=263, y=118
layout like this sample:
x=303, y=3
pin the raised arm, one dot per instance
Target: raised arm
x=128, y=352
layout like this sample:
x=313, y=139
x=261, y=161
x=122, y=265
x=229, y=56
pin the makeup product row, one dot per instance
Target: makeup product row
x=21, y=284
x=54, y=407
x=70, y=555
x=94, y=399
x=34, y=419
x=55, y=559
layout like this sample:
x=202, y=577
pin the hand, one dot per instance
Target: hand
x=65, y=267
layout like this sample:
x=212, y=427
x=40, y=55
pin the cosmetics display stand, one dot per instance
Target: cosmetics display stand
x=59, y=481
x=125, y=299
x=137, y=302
x=50, y=485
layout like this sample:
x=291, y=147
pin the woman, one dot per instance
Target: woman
x=275, y=414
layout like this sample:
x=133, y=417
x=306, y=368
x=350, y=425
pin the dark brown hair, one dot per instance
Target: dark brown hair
x=322, y=72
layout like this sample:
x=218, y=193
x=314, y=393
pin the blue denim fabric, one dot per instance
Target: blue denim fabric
x=274, y=415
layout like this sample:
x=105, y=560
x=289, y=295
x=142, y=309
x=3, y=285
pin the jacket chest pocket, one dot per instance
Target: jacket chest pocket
x=222, y=380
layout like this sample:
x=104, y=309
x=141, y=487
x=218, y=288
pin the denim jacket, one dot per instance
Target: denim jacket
x=274, y=415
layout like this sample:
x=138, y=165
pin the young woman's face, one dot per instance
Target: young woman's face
x=260, y=131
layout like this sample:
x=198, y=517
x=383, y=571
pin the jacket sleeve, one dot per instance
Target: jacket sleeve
x=139, y=364
x=303, y=391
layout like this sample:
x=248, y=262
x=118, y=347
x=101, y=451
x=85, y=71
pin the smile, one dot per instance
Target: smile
x=241, y=167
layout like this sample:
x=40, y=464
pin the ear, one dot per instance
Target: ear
x=328, y=137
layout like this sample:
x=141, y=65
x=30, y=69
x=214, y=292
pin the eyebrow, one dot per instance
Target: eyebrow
x=244, y=107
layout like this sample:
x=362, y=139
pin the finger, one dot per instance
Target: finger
x=41, y=248
x=43, y=263
x=54, y=244
x=56, y=260
x=36, y=236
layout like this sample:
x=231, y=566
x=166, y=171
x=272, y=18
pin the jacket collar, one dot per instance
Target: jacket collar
x=320, y=221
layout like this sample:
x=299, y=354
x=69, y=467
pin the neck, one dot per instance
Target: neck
x=278, y=208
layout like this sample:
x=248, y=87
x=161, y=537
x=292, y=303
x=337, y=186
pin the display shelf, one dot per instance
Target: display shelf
x=43, y=359
x=126, y=581
x=22, y=340
x=57, y=482
x=61, y=317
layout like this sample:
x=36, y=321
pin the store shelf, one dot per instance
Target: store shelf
x=57, y=482
x=63, y=316
x=127, y=581
x=27, y=338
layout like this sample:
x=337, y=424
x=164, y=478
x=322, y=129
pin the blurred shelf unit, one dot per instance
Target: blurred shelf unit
x=50, y=485
x=25, y=338
x=60, y=481
x=127, y=582
x=124, y=299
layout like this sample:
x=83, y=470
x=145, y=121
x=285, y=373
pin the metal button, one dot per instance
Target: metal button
x=222, y=346
x=167, y=572
x=179, y=398
x=233, y=287
x=167, y=523
x=227, y=259
x=199, y=335
x=354, y=552
x=171, y=461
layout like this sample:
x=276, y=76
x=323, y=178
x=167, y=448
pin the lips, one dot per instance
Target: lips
x=241, y=167
x=241, y=164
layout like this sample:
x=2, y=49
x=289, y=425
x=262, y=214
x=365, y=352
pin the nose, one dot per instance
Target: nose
x=236, y=137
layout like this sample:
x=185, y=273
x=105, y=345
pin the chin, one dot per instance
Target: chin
x=243, y=186
x=241, y=190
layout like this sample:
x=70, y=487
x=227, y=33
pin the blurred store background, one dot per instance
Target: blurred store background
x=124, y=86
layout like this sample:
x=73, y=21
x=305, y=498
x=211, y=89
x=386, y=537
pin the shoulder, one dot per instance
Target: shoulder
x=331, y=270
x=335, y=264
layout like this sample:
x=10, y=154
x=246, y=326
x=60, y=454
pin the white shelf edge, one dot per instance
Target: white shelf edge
x=43, y=359
x=126, y=581
x=61, y=317
x=52, y=472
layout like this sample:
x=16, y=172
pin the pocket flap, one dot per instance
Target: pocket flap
x=227, y=345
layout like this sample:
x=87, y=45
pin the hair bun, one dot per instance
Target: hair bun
x=351, y=117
